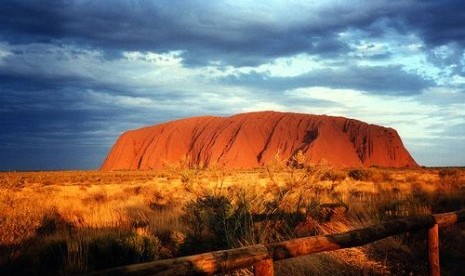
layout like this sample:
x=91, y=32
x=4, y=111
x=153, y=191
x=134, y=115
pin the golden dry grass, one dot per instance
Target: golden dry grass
x=152, y=204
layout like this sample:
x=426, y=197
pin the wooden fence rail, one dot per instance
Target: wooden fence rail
x=261, y=256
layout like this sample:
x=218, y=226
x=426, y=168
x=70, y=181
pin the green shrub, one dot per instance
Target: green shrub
x=216, y=224
x=207, y=216
x=116, y=249
x=240, y=223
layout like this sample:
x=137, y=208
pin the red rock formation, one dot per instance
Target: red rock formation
x=252, y=140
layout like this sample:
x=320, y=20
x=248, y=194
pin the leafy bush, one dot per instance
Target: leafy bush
x=216, y=224
x=207, y=218
x=115, y=249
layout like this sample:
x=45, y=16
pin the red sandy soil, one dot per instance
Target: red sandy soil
x=252, y=140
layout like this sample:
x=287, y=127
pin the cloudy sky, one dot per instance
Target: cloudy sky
x=75, y=74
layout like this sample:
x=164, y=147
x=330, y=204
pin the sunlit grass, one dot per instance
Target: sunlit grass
x=68, y=212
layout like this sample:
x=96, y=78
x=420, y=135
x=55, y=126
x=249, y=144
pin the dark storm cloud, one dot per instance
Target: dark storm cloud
x=66, y=87
x=218, y=32
x=49, y=130
x=390, y=80
x=49, y=115
x=23, y=82
x=31, y=20
x=51, y=122
x=206, y=32
x=37, y=137
x=438, y=22
x=213, y=32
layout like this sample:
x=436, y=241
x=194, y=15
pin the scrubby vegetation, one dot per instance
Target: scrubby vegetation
x=78, y=222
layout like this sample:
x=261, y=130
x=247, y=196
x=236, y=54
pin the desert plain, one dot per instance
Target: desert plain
x=76, y=222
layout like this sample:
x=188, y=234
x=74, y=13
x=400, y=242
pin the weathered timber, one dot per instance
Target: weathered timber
x=264, y=268
x=261, y=256
x=202, y=264
x=447, y=219
x=433, y=250
x=353, y=238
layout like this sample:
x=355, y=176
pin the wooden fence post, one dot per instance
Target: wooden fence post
x=264, y=268
x=261, y=256
x=433, y=250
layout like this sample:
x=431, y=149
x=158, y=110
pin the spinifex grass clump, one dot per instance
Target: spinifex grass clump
x=215, y=223
x=81, y=251
x=117, y=249
x=226, y=216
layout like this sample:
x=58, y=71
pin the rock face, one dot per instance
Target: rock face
x=252, y=140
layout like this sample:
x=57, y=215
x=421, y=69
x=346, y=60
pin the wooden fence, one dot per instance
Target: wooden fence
x=261, y=256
